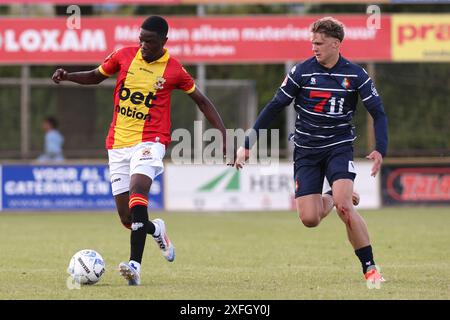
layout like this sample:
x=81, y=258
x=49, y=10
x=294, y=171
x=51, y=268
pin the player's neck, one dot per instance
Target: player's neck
x=155, y=57
x=330, y=63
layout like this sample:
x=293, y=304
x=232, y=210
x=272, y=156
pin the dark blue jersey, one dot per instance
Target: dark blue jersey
x=325, y=101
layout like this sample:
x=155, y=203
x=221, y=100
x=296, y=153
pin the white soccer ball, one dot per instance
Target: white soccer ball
x=86, y=266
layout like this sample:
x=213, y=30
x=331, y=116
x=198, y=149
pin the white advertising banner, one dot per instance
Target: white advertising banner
x=220, y=188
x=368, y=187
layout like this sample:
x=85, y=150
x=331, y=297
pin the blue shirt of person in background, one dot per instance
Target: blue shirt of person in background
x=53, y=142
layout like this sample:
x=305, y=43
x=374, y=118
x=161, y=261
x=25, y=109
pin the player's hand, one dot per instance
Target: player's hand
x=242, y=155
x=230, y=156
x=59, y=75
x=378, y=159
x=229, y=152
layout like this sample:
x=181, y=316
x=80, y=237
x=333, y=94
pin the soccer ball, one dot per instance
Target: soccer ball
x=86, y=266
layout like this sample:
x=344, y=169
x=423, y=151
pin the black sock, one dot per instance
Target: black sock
x=150, y=228
x=139, y=227
x=365, y=255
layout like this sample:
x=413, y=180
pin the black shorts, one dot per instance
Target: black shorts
x=311, y=166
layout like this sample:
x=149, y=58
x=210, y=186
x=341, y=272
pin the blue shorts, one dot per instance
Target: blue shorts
x=311, y=166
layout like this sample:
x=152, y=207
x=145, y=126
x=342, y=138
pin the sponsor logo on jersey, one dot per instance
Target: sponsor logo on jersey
x=132, y=113
x=136, y=97
x=145, y=70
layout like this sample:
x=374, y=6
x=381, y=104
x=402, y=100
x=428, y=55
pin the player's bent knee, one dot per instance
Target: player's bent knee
x=126, y=221
x=310, y=221
x=125, y=218
x=126, y=225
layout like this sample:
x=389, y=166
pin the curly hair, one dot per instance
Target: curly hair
x=329, y=26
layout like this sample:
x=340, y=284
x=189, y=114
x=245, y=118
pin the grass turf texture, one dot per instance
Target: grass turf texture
x=230, y=256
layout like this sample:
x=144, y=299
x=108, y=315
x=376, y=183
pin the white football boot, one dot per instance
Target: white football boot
x=163, y=241
x=131, y=272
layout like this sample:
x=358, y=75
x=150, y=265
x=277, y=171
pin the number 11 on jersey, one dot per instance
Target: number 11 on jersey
x=326, y=96
x=333, y=106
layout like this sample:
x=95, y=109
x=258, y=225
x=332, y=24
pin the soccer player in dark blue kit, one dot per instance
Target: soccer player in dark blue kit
x=325, y=89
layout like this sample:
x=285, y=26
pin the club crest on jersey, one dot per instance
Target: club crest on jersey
x=345, y=83
x=146, y=155
x=147, y=152
x=312, y=81
x=159, y=83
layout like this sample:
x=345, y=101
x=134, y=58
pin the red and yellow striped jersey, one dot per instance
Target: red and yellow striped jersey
x=142, y=96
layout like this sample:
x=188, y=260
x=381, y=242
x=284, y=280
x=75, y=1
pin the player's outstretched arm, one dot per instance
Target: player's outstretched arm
x=211, y=114
x=270, y=111
x=83, y=77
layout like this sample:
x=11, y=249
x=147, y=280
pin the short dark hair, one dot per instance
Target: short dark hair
x=156, y=24
x=329, y=26
x=53, y=122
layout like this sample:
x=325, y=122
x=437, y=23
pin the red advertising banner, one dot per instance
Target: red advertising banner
x=236, y=2
x=277, y=1
x=256, y=39
x=416, y=184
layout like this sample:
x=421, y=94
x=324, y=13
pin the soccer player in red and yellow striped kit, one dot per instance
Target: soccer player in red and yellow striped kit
x=140, y=130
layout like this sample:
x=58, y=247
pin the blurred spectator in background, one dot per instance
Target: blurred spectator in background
x=53, y=141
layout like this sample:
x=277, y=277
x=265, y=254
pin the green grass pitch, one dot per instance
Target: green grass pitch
x=258, y=255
